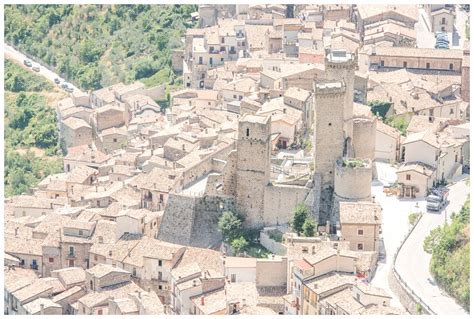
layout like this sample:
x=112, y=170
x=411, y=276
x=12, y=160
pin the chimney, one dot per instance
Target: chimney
x=41, y=309
x=202, y=301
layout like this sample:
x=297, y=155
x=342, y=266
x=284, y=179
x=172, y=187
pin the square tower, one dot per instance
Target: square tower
x=341, y=65
x=253, y=167
x=329, y=128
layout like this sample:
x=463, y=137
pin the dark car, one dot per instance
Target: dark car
x=57, y=81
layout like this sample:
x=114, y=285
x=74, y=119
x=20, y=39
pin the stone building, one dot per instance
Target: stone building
x=360, y=225
x=441, y=17
x=75, y=131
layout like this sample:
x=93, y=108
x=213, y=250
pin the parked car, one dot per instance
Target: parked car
x=65, y=85
x=36, y=68
x=27, y=63
x=69, y=89
x=57, y=81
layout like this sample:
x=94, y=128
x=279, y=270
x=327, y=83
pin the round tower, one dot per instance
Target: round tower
x=352, y=182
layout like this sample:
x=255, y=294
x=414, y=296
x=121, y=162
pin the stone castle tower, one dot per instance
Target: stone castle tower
x=340, y=64
x=253, y=167
x=329, y=128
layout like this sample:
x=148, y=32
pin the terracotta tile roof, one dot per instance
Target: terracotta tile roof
x=360, y=213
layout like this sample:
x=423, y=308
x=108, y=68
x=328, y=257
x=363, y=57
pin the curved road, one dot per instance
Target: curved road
x=14, y=54
x=413, y=262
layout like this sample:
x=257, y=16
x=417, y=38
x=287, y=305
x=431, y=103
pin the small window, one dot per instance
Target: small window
x=81, y=233
x=427, y=65
x=95, y=257
x=51, y=260
x=408, y=177
x=222, y=40
x=134, y=272
x=360, y=246
x=23, y=213
x=330, y=124
x=222, y=59
x=451, y=111
x=382, y=63
x=360, y=232
x=100, y=312
x=443, y=20
x=160, y=287
x=235, y=96
x=160, y=262
x=115, y=140
x=233, y=278
x=451, y=66
x=248, y=132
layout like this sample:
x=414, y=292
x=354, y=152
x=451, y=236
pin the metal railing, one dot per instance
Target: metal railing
x=402, y=282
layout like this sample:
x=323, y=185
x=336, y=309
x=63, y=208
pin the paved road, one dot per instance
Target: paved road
x=394, y=224
x=413, y=262
x=14, y=54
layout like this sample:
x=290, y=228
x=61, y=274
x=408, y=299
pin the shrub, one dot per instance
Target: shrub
x=239, y=244
x=309, y=227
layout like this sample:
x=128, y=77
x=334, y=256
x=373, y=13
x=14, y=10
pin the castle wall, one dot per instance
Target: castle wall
x=281, y=201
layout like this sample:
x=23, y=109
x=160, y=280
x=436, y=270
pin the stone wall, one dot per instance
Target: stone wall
x=192, y=221
x=281, y=201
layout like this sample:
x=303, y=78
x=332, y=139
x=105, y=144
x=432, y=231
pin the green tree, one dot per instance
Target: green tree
x=230, y=225
x=239, y=244
x=309, y=227
x=299, y=217
x=399, y=123
x=380, y=108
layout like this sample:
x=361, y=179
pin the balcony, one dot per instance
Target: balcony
x=71, y=255
x=34, y=266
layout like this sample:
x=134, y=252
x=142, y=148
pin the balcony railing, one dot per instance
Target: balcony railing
x=71, y=254
x=34, y=266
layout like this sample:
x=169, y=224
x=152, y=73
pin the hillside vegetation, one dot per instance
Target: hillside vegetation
x=99, y=45
x=450, y=248
x=29, y=123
